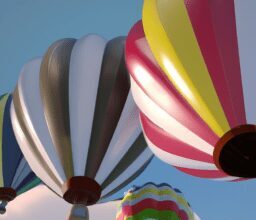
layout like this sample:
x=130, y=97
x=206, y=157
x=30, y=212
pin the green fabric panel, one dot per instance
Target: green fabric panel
x=29, y=186
x=3, y=100
x=154, y=214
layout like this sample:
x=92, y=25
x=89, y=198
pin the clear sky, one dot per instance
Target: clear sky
x=27, y=27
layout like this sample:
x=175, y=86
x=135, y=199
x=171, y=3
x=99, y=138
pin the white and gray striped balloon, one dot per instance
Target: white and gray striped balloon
x=73, y=115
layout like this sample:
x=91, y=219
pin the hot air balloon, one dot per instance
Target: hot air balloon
x=16, y=177
x=76, y=120
x=154, y=201
x=190, y=81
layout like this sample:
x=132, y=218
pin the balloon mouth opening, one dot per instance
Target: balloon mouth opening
x=81, y=190
x=235, y=152
x=7, y=194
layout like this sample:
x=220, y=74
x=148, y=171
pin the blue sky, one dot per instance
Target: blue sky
x=27, y=28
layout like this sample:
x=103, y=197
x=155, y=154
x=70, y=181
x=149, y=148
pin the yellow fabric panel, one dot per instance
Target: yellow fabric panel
x=2, y=107
x=173, y=194
x=171, y=38
x=151, y=191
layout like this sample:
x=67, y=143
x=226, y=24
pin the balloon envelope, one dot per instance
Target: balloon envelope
x=189, y=80
x=74, y=114
x=152, y=201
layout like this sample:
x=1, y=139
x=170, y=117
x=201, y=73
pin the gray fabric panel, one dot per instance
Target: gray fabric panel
x=54, y=85
x=112, y=93
x=25, y=128
x=130, y=179
x=132, y=154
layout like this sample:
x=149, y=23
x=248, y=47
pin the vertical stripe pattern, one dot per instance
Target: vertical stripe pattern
x=190, y=78
x=85, y=122
x=15, y=171
x=109, y=102
x=54, y=78
x=154, y=201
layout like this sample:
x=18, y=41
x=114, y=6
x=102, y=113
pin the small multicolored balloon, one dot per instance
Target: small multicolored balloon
x=156, y=202
x=16, y=177
x=190, y=80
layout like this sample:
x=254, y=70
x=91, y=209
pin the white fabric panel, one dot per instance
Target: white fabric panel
x=138, y=163
x=22, y=171
x=30, y=98
x=179, y=161
x=196, y=217
x=85, y=67
x=167, y=122
x=40, y=203
x=246, y=33
x=127, y=131
x=228, y=178
x=28, y=154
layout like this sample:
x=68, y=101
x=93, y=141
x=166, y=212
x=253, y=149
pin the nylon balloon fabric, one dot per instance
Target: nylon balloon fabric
x=154, y=201
x=75, y=117
x=190, y=81
x=16, y=177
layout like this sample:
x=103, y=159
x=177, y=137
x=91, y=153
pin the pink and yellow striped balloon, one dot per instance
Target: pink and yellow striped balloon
x=192, y=77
